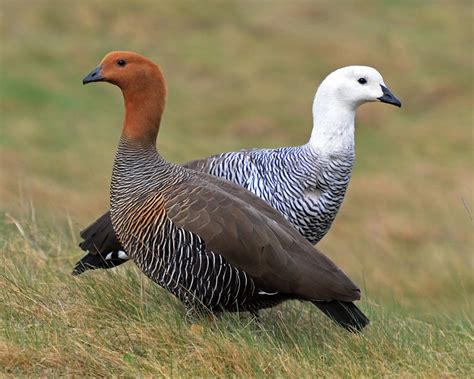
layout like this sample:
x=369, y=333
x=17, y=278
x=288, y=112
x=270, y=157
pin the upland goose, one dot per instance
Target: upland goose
x=211, y=243
x=305, y=183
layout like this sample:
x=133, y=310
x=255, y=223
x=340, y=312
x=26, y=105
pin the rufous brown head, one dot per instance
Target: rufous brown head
x=143, y=87
x=124, y=69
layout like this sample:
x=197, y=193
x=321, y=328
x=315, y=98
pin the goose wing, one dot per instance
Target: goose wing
x=255, y=238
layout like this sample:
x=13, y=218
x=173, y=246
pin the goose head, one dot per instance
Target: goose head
x=353, y=86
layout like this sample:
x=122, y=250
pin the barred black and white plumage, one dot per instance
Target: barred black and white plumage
x=304, y=184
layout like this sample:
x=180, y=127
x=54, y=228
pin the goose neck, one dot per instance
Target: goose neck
x=333, y=125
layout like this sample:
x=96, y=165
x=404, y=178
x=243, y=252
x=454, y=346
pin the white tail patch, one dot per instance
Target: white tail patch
x=122, y=254
x=267, y=293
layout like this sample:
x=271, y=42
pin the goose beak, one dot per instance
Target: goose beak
x=94, y=76
x=388, y=97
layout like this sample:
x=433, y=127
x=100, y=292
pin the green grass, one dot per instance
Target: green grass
x=240, y=74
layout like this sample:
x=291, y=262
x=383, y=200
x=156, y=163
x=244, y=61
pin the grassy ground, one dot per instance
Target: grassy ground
x=240, y=74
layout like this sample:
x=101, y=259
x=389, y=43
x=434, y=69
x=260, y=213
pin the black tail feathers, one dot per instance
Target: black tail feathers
x=103, y=248
x=99, y=237
x=95, y=261
x=343, y=313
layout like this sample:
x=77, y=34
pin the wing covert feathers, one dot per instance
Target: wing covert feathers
x=255, y=238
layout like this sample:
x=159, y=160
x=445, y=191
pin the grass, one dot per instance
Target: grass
x=240, y=74
x=118, y=323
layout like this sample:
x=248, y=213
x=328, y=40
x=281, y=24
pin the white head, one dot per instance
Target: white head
x=336, y=101
x=355, y=85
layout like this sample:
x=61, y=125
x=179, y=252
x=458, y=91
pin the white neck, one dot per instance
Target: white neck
x=333, y=124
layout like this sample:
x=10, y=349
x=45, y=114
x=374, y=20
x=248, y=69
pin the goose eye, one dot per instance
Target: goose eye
x=121, y=62
x=362, y=80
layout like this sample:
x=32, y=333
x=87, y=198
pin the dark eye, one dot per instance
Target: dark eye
x=362, y=80
x=121, y=62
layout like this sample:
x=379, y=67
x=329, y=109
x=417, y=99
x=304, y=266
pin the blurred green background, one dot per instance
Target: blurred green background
x=243, y=74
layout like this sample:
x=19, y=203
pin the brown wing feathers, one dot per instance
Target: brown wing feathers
x=264, y=245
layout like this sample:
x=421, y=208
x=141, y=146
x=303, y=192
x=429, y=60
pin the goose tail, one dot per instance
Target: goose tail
x=101, y=245
x=345, y=314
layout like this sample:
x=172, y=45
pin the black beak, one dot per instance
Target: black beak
x=389, y=98
x=94, y=76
